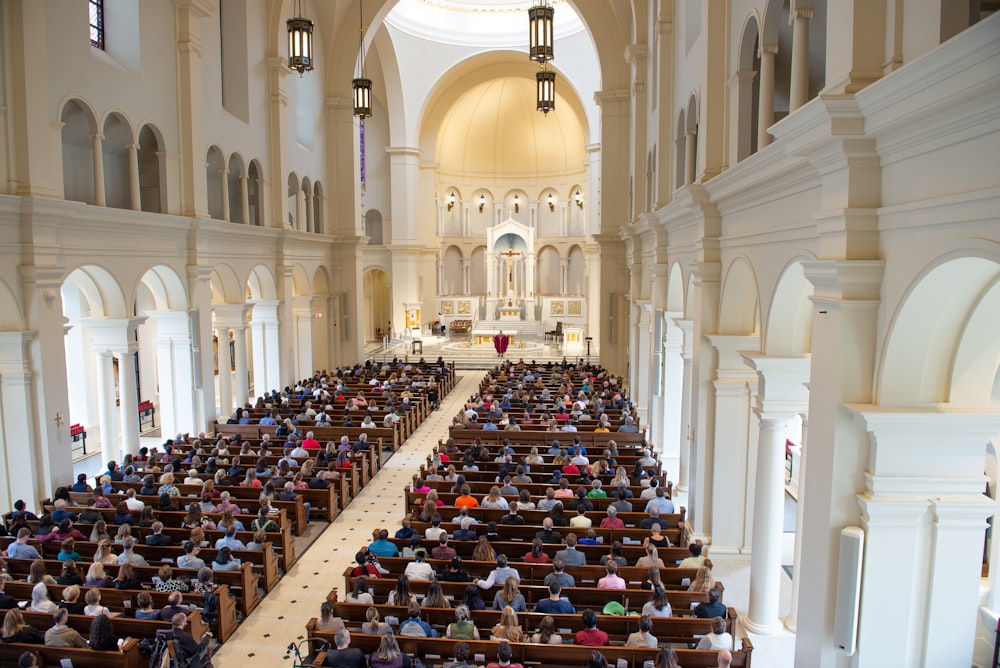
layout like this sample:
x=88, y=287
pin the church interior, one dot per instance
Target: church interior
x=777, y=221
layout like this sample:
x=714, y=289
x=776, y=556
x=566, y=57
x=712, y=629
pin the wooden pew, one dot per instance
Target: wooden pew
x=123, y=627
x=114, y=599
x=127, y=657
x=618, y=627
x=242, y=583
x=438, y=650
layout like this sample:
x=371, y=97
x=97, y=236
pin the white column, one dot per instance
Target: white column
x=781, y=396
x=106, y=407
x=799, y=93
x=673, y=384
x=765, y=566
x=175, y=367
x=266, y=348
x=731, y=476
x=924, y=516
x=791, y=621
x=687, y=434
x=690, y=146
x=99, y=197
x=529, y=277
x=242, y=374
x=640, y=394
x=225, y=372
x=765, y=107
x=245, y=198
x=128, y=401
x=133, y=177
x=309, y=211
x=224, y=178
x=303, y=331
x=563, y=276
x=298, y=208
x=19, y=461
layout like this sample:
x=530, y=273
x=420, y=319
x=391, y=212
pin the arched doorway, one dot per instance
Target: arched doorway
x=378, y=304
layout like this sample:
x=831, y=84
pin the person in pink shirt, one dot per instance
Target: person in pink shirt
x=612, y=580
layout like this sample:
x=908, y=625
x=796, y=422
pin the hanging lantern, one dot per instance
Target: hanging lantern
x=541, y=40
x=362, y=97
x=546, y=85
x=300, y=43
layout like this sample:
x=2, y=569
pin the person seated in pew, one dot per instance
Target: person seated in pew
x=546, y=634
x=559, y=575
x=263, y=522
x=462, y=628
x=60, y=635
x=512, y=518
x=225, y=561
x=508, y=628
x=713, y=607
x=343, y=655
x=360, y=593
x=94, y=607
x=435, y=530
x=510, y=596
x=590, y=634
x=697, y=559
x=63, y=531
x=190, y=557
x=661, y=502
x=327, y=622
x=128, y=555
x=643, y=637
x=443, y=550
x=67, y=551
x=719, y=638
x=658, y=605
x=570, y=555
x=419, y=569
x=96, y=577
x=401, y=595
x=580, y=520
x=454, y=572
x=654, y=519
x=504, y=652
x=81, y=486
x=365, y=567
x=414, y=626
x=548, y=534
x=461, y=652
x=71, y=600
x=15, y=629
x=126, y=578
x=612, y=580
x=174, y=606
x=650, y=559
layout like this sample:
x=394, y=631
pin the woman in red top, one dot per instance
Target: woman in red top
x=537, y=554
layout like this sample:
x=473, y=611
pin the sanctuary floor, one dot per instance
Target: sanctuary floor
x=280, y=619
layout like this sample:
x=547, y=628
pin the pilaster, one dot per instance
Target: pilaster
x=188, y=15
x=20, y=450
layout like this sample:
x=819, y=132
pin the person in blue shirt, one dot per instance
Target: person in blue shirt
x=383, y=547
x=414, y=618
x=554, y=605
x=660, y=502
x=81, y=484
x=268, y=420
x=489, y=426
x=407, y=531
x=245, y=417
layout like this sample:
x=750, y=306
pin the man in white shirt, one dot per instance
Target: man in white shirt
x=132, y=502
x=581, y=521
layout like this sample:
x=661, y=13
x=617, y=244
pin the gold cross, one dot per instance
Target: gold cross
x=58, y=419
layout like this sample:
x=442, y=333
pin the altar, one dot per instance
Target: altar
x=485, y=336
x=510, y=313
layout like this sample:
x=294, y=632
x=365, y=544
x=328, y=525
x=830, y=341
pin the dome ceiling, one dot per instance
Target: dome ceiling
x=493, y=130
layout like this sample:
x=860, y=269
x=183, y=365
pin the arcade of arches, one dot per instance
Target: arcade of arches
x=778, y=218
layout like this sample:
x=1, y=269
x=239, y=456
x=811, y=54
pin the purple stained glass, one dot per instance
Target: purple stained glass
x=361, y=135
x=97, y=23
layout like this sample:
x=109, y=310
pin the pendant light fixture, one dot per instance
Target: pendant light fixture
x=541, y=40
x=546, y=90
x=300, y=42
x=362, y=86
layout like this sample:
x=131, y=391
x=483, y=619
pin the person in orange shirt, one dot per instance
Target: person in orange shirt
x=466, y=500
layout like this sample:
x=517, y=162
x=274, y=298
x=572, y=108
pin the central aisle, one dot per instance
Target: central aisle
x=281, y=617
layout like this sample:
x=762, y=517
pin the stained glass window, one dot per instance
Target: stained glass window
x=97, y=23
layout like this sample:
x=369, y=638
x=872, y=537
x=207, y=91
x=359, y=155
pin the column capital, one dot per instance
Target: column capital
x=912, y=450
x=230, y=315
x=836, y=280
x=731, y=348
x=769, y=49
x=781, y=384
x=115, y=335
x=14, y=353
x=797, y=13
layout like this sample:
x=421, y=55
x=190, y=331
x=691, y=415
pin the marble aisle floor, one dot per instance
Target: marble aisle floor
x=281, y=618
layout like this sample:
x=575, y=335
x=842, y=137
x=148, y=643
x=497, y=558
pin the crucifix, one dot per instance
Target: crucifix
x=510, y=255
